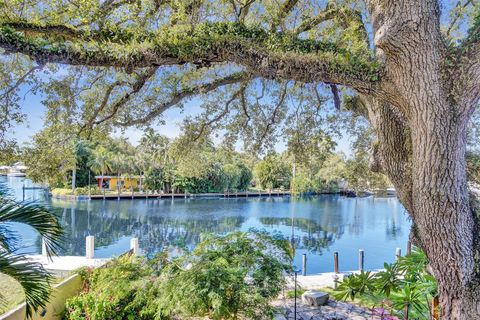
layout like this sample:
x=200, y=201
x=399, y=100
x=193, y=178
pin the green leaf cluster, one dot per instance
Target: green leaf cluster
x=403, y=286
x=224, y=277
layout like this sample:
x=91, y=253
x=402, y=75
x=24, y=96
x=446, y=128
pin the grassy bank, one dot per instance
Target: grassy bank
x=12, y=293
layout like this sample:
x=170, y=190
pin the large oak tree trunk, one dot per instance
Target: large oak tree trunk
x=422, y=140
x=444, y=225
x=426, y=163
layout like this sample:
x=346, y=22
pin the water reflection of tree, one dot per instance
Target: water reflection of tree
x=155, y=232
x=393, y=230
x=315, y=237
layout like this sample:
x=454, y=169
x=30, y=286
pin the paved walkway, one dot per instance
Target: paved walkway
x=320, y=280
x=64, y=264
x=334, y=310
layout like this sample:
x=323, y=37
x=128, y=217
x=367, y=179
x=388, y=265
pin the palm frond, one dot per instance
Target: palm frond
x=34, y=279
x=38, y=217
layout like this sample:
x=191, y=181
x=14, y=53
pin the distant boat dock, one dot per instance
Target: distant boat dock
x=138, y=195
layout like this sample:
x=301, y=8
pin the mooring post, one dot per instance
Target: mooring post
x=134, y=246
x=90, y=247
x=335, y=262
x=304, y=264
x=361, y=260
x=23, y=190
x=409, y=247
x=335, y=281
x=398, y=253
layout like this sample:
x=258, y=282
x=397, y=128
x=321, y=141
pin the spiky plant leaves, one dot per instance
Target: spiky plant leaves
x=33, y=278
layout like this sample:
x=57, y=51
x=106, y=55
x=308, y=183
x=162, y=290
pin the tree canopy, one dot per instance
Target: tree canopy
x=410, y=67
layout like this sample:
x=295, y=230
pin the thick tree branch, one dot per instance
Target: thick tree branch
x=309, y=24
x=103, y=104
x=188, y=92
x=125, y=98
x=283, y=12
x=346, y=17
x=300, y=60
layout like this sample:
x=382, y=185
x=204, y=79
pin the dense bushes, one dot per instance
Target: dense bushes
x=273, y=172
x=114, y=292
x=78, y=191
x=225, y=277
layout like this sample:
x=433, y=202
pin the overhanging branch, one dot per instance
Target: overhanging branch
x=293, y=59
x=179, y=96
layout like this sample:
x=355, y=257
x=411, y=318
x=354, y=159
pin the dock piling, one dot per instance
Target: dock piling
x=409, y=247
x=304, y=264
x=134, y=246
x=398, y=253
x=90, y=247
x=335, y=262
x=361, y=260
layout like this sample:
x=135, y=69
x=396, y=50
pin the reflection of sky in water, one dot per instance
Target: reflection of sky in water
x=321, y=225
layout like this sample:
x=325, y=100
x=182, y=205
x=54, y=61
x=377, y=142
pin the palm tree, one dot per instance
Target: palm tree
x=130, y=168
x=155, y=146
x=141, y=163
x=34, y=279
x=100, y=163
x=119, y=164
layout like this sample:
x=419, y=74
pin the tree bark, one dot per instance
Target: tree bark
x=422, y=142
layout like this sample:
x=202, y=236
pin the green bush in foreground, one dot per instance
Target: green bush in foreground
x=403, y=287
x=110, y=293
x=224, y=277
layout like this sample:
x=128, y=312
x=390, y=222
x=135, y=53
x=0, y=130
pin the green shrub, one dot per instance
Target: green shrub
x=225, y=277
x=62, y=192
x=405, y=283
x=85, y=191
x=110, y=292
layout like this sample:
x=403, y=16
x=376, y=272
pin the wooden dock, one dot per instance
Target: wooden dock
x=138, y=195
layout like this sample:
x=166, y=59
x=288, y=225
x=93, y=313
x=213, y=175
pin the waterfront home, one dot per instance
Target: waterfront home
x=4, y=170
x=17, y=170
x=112, y=182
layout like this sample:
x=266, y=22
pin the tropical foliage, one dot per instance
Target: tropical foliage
x=35, y=281
x=224, y=277
x=404, y=287
x=273, y=172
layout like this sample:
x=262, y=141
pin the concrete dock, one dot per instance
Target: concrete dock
x=62, y=265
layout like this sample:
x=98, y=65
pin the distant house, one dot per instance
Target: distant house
x=17, y=170
x=112, y=182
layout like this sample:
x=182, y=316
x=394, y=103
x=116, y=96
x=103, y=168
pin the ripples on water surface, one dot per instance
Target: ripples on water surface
x=319, y=225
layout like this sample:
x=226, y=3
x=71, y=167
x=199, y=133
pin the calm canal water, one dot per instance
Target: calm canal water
x=319, y=225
